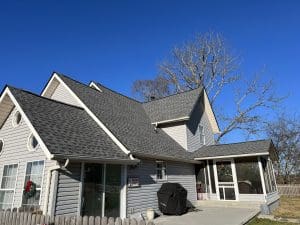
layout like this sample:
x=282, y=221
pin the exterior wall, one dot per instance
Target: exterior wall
x=68, y=191
x=198, y=117
x=63, y=95
x=178, y=132
x=143, y=197
x=15, y=151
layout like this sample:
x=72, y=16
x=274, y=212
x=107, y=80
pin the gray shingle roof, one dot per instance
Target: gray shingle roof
x=242, y=148
x=172, y=107
x=128, y=121
x=67, y=131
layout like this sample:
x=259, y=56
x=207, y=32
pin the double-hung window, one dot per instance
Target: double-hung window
x=202, y=135
x=34, y=173
x=161, y=170
x=8, y=185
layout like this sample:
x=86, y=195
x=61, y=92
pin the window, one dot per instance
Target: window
x=248, y=176
x=32, y=143
x=17, y=119
x=8, y=185
x=161, y=170
x=202, y=135
x=34, y=173
x=1, y=145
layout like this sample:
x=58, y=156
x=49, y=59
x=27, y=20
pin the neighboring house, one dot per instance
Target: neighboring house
x=87, y=150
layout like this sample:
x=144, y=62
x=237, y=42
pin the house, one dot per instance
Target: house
x=81, y=149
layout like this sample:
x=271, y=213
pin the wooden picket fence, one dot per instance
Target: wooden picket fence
x=289, y=190
x=15, y=218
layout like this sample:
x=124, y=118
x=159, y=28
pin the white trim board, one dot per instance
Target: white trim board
x=27, y=121
x=91, y=114
x=185, y=118
x=95, y=86
x=232, y=156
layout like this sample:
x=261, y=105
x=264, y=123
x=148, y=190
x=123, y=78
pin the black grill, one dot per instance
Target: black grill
x=172, y=199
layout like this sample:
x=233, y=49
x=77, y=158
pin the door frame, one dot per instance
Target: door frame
x=234, y=177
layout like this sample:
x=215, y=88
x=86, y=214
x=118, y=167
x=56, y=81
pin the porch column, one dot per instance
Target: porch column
x=261, y=172
x=123, y=192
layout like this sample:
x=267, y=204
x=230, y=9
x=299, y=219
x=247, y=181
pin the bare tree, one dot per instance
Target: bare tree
x=285, y=133
x=208, y=61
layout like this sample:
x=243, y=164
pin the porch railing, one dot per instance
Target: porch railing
x=289, y=190
x=16, y=218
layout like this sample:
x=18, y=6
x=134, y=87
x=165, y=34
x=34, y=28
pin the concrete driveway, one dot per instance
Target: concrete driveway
x=210, y=216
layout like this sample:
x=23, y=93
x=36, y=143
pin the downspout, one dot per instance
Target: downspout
x=52, y=168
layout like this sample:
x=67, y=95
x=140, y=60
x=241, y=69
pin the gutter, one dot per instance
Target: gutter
x=185, y=118
x=232, y=156
x=192, y=161
x=56, y=167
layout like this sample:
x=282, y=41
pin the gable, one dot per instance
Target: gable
x=56, y=90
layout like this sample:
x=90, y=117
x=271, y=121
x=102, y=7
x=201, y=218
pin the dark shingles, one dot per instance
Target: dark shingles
x=172, y=107
x=242, y=148
x=67, y=130
x=128, y=121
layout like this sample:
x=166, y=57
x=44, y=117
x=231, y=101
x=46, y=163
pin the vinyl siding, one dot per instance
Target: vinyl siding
x=63, y=95
x=67, y=197
x=16, y=152
x=177, y=131
x=143, y=197
x=198, y=117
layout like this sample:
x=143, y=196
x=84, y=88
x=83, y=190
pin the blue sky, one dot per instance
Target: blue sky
x=117, y=42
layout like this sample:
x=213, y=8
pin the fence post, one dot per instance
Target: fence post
x=104, y=220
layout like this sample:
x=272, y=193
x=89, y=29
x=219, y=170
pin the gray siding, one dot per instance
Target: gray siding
x=67, y=197
x=16, y=152
x=177, y=131
x=63, y=95
x=198, y=117
x=143, y=197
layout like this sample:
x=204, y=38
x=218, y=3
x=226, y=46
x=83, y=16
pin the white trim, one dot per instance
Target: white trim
x=208, y=172
x=93, y=85
x=123, y=192
x=13, y=121
x=27, y=121
x=81, y=186
x=106, y=130
x=262, y=176
x=3, y=145
x=232, y=156
x=172, y=120
x=16, y=179
x=29, y=142
x=104, y=189
x=166, y=176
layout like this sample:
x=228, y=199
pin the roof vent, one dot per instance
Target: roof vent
x=152, y=98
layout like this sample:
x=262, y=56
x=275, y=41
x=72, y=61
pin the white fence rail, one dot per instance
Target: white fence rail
x=289, y=190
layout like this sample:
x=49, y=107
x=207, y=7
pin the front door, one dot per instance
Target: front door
x=225, y=180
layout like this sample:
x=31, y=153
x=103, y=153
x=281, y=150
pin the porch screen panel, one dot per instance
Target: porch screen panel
x=202, y=178
x=212, y=176
x=248, y=176
x=267, y=176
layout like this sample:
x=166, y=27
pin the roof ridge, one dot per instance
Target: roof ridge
x=116, y=92
x=234, y=143
x=44, y=98
x=178, y=93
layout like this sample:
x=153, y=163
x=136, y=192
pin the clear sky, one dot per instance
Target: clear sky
x=117, y=42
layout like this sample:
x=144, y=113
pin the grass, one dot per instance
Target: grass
x=257, y=221
x=289, y=208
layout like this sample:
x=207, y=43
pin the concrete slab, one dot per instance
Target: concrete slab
x=210, y=216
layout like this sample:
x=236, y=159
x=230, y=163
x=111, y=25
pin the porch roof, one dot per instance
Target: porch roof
x=234, y=150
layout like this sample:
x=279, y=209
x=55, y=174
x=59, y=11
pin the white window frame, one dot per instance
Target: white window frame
x=10, y=189
x=3, y=145
x=201, y=134
x=42, y=181
x=14, y=122
x=163, y=167
x=29, y=146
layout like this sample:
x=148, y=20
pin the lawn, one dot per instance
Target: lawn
x=257, y=221
x=289, y=208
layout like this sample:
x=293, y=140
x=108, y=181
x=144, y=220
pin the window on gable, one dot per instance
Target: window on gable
x=8, y=185
x=17, y=119
x=202, y=135
x=161, y=173
x=34, y=174
x=1, y=145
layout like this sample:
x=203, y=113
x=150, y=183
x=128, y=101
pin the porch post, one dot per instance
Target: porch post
x=208, y=173
x=216, y=179
x=262, y=176
x=123, y=192
x=104, y=186
x=272, y=168
x=236, y=186
x=80, y=189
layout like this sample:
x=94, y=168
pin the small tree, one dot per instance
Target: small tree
x=285, y=133
x=208, y=61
